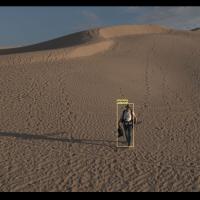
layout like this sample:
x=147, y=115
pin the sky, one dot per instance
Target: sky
x=21, y=26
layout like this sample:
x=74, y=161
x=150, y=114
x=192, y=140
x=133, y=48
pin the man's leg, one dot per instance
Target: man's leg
x=130, y=132
x=126, y=132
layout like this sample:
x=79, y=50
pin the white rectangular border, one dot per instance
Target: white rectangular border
x=133, y=137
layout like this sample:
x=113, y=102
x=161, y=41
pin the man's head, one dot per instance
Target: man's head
x=128, y=107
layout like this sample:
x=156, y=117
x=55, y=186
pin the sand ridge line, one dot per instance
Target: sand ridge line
x=85, y=37
x=92, y=49
x=62, y=54
x=125, y=30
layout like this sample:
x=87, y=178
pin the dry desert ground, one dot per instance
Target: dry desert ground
x=58, y=111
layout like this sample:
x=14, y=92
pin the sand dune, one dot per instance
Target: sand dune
x=195, y=29
x=62, y=42
x=58, y=112
x=124, y=30
x=5, y=47
x=86, y=37
x=58, y=55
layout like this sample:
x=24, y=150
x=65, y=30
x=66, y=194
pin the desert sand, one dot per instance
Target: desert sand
x=58, y=111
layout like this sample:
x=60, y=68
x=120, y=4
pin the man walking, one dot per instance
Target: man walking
x=128, y=119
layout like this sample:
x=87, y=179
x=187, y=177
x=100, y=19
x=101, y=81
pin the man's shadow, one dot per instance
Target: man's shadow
x=27, y=136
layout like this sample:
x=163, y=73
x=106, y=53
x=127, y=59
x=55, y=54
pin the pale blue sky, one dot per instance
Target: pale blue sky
x=28, y=25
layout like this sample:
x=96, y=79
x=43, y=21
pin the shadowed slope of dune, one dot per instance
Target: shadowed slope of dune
x=195, y=29
x=62, y=42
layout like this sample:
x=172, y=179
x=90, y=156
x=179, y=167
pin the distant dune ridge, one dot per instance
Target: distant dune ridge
x=125, y=30
x=85, y=37
x=62, y=42
x=80, y=44
x=58, y=111
x=195, y=29
x=89, y=36
x=8, y=47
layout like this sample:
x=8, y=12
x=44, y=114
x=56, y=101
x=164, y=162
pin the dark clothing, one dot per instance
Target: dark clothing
x=128, y=119
x=128, y=130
